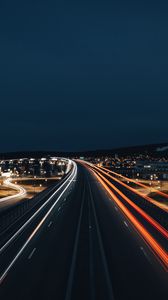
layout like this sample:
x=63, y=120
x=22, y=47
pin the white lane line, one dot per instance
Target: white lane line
x=50, y=224
x=116, y=208
x=125, y=223
x=31, y=254
x=75, y=249
x=101, y=246
x=36, y=229
x=35, y=214
x=59, y=208
x=144, y=252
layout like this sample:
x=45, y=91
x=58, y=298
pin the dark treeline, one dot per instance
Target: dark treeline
x=125, y=151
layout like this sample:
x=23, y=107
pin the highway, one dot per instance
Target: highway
x=86, y=242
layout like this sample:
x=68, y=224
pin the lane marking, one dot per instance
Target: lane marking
x=50, y=224
x=75, y=250
x=126, y=224
x=100, y=242
x=144, y=252
x=31, y=254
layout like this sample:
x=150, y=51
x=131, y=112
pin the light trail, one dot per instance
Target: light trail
x=161, y=206
x=21, y=191
x=148, y=218
x=15, y=235
x=155, y=246
x=68, y=182
x=136, y=182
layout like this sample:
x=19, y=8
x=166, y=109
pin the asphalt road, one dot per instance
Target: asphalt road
x=85, y=248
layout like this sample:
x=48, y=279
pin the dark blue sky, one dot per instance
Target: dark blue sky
x=78, y=75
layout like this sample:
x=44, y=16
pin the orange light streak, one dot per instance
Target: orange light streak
x=138, y=183
x=153, y=222
x=158, y=250
x=129, y=187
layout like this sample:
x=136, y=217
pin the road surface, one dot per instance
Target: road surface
x=80, y=246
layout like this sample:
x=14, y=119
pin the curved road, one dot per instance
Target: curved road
x=11, y=200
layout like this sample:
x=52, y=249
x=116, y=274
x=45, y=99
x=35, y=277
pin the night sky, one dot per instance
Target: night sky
x=79, y=75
